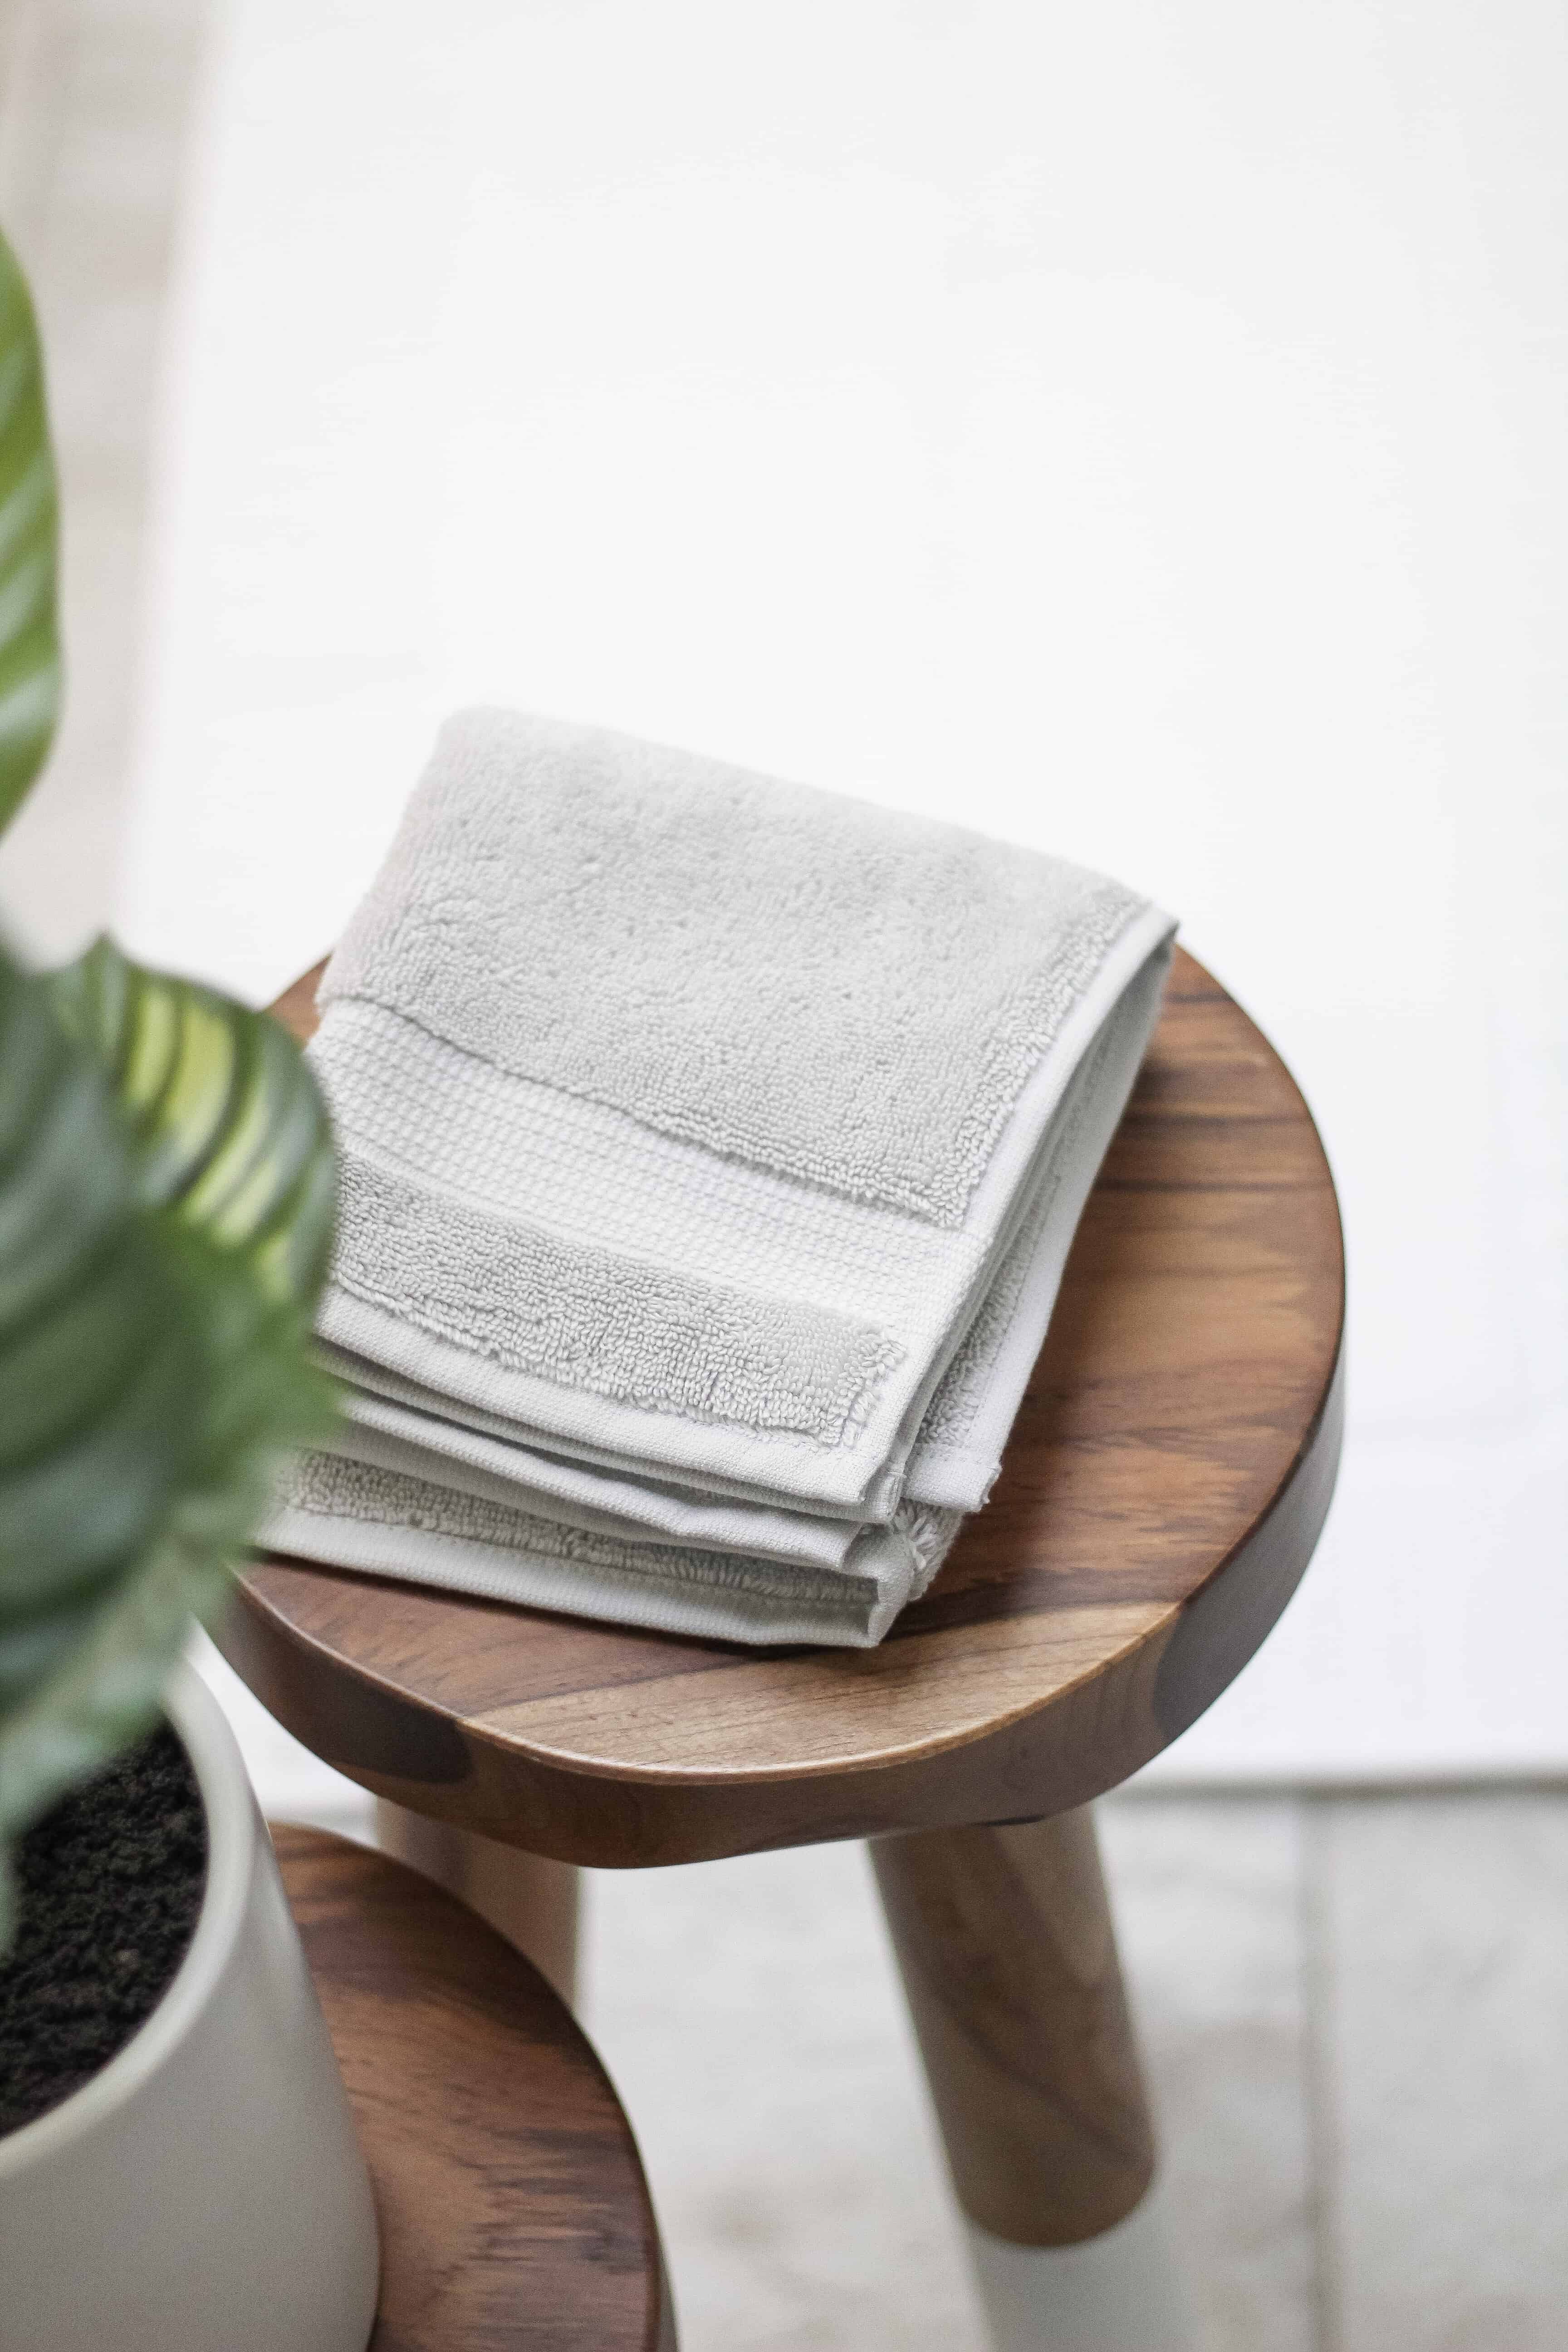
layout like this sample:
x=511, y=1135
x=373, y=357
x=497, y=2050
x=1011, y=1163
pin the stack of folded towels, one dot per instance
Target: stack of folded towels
x=710, y=1148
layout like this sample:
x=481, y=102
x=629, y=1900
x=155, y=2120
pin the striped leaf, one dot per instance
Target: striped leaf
x=228, y=1131
x=29, y=641
x=165, y=1214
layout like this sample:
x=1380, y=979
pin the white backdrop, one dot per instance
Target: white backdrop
x=1133, y=429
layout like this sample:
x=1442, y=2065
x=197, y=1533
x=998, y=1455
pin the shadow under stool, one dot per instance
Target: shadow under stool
x=1167, y=1477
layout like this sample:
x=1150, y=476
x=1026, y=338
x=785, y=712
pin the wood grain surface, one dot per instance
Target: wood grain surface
x=514, y=2215
x=1008, y=1957
x=1165, y=1482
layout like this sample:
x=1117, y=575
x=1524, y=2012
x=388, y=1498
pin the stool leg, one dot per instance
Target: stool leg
x=1121, y=2292
x=1004, y=1941
x=528, y=1899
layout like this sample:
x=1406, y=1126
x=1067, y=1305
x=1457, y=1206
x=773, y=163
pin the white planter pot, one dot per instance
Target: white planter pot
x=205, y=2192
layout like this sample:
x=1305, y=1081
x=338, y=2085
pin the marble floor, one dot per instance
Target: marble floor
x=1355, y=2011
x=1354, y=2006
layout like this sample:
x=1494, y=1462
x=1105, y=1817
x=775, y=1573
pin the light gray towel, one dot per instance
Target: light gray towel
x=711, y=1149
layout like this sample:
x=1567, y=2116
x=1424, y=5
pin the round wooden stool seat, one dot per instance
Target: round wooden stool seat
x=1164, y=1485
x=512, y=2206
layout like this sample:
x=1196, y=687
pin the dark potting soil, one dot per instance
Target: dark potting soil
x=110, y=1885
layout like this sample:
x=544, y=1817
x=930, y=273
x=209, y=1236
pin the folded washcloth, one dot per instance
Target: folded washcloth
x=710, y=1149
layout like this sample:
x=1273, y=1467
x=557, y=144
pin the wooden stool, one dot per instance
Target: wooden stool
x=1165, y=1482
x=512, y=2206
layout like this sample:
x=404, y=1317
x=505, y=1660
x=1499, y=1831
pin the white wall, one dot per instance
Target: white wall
x=1135, y=429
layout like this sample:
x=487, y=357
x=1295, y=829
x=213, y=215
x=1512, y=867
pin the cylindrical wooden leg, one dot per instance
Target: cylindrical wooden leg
x=529, y=1899
x=1008, y=1956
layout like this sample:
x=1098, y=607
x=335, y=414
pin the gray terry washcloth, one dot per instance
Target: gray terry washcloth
x=711, y=1149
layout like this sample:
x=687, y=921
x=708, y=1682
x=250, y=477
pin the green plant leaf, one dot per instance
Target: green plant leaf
x=30, y=636
x=226, y=1127
x=165, y=1215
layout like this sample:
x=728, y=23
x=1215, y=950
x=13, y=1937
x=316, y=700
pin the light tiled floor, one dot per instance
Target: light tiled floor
x=1439, y=1930
x=1355, y=2011
x=1355, y=2008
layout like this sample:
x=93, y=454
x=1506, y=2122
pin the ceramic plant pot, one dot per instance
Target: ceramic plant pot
x=204, y=2192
